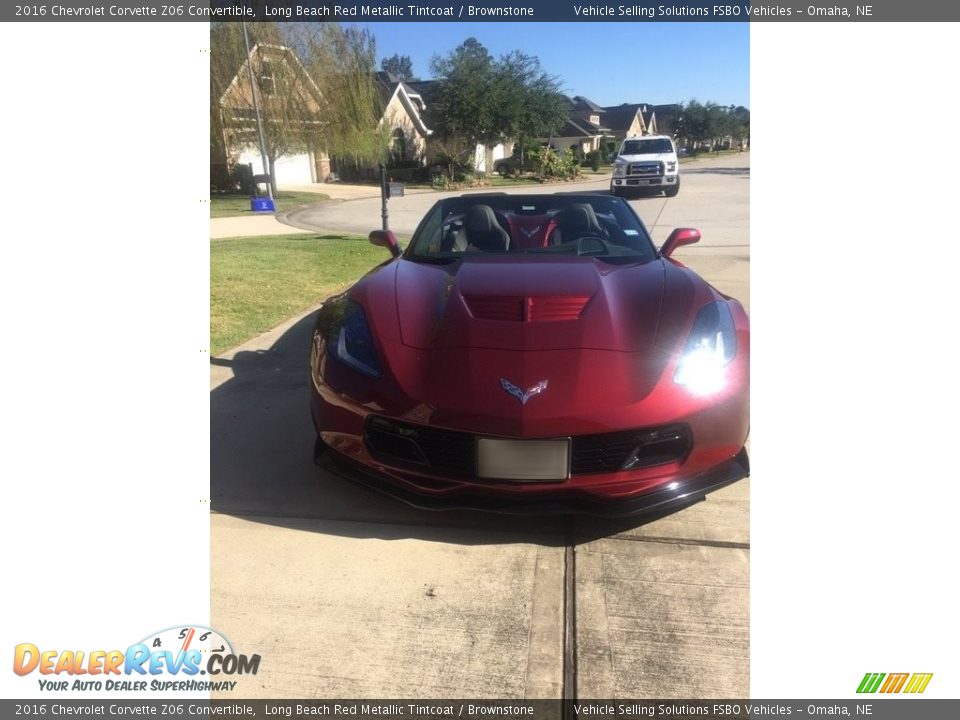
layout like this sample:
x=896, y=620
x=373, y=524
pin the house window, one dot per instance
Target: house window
x=398, y=145
x=595, y=119
x=267, y=86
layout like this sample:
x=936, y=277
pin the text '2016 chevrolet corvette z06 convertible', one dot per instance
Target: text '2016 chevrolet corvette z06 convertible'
x=533, y=353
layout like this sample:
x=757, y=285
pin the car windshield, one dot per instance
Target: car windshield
x=597, y=226
x=646, y=147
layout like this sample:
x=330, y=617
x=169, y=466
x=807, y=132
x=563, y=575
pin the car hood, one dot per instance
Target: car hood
x=541, y=303
x=665, y=157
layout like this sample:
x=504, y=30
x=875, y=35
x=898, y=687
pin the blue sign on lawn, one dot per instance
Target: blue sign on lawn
x=262, y=204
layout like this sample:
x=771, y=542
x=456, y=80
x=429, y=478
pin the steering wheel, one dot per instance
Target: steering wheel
x=592, y=245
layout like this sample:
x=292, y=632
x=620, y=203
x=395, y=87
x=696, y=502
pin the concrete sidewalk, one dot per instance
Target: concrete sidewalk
x=249, y=225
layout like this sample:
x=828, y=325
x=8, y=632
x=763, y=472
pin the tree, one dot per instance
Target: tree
x=463, y=101
x=739, y=122
x=530, y=101
x=482, y=101
x=709, y=122
x=342, y=60
x=399, y=65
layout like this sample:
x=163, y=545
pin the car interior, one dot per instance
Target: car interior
x=460, y=227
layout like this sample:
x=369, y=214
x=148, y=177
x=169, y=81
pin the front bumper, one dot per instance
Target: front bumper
x=676, y=494
x=639, y=182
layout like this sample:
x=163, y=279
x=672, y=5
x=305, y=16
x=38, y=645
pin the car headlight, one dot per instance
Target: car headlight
x=671, y=166
x=619, y=170
x=352, y=343
x=710, y=348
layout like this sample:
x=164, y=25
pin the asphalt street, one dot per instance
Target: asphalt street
x=345, y=593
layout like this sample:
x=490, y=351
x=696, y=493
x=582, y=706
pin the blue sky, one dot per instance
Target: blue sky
x=610, y=63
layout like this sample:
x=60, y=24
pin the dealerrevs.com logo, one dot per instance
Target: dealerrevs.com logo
x=174, y=659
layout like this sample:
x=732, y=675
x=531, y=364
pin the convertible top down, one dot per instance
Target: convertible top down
x=533, y=353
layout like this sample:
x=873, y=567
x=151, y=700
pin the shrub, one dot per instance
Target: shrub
x=554, y=165
x=241, y=178
x=403, y=165
x=456, y=170
x=416, y=174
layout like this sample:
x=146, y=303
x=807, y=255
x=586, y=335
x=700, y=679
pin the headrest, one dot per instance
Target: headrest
x=480, y=218
x=583, y=216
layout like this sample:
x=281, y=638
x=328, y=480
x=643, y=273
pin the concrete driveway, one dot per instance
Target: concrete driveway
x=345, y=593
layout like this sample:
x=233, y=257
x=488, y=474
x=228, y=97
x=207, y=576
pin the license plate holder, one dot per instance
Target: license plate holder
x=523, y=460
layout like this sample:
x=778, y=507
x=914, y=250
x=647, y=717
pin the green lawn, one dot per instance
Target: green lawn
x=236, y=205
x=704, y=155
x=494, y=180
x=258, y=282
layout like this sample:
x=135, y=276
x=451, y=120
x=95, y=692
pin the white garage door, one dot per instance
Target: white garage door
x=291, y=169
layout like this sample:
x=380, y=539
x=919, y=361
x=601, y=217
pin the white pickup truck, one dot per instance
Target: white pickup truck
x=647, y=163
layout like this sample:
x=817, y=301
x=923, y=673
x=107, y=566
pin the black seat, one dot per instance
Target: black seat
x=483, y=232
x=577, y=221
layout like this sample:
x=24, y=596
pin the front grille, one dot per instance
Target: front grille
x=446, y=451
x=629, y=449
x=646, y=169
x=451, y=452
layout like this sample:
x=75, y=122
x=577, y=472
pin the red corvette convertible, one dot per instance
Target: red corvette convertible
x=533, y=353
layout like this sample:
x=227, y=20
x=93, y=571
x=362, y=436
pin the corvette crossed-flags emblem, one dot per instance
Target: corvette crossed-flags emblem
x=519, y=394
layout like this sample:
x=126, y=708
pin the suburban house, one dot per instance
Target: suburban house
x=584, y=129
x=402, y=112
x=289, y=98
x=271, y=64
x=403, y=109
x=296, y=163
x=631, y=120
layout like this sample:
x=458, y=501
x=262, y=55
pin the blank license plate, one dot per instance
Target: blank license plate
x=523, y=460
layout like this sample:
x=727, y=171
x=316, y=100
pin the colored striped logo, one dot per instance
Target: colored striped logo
x=894, y=682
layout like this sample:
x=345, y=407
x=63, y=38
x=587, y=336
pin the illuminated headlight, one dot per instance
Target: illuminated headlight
x=619, y=170
x=671, y=166
x=351, y=342
x=710, y=348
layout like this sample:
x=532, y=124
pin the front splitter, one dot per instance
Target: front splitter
x=562, y=503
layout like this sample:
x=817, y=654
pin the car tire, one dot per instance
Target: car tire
x=673, y=190
x=616, y=192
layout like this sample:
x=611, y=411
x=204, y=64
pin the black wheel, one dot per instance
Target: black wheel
x=616, y=192
x=673, y=189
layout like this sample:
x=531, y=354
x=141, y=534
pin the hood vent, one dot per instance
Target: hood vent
x=518, y=308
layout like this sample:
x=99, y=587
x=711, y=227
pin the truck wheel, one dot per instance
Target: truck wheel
x=673, y=189
x=615, y=192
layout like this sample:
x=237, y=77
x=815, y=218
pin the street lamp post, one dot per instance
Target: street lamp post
x=256, y=111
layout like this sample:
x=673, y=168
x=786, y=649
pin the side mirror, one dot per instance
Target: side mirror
x=680, y=236
x=385, y=238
